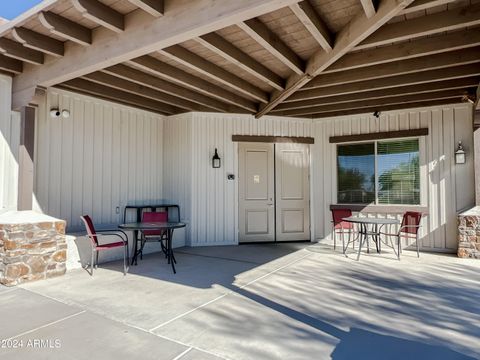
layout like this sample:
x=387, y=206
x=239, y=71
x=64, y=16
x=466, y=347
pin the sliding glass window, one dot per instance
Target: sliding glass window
x=383, y=172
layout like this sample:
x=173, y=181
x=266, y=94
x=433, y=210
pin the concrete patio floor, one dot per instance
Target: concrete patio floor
x=279, y=301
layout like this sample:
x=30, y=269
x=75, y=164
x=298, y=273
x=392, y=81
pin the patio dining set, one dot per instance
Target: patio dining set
x=361, y=229
x=153, y=224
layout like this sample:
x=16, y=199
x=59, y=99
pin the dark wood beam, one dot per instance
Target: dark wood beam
x=10, y=65
x=378, y=136
x=273, y=139
x=101, y=14
x=153, y=7
x=17, y=51
x=66, y=28
x=39, y=42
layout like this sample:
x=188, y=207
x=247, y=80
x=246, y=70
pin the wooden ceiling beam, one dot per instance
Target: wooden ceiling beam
x=419, y=5
x=305, y=12
x=222, y=47
x=120, y=96
x=368, y=7
x=39, y=42
x=145, y=79
x=66, y=28
x=457, y=72
x=215, y=72
x=171, y=73
x=449, y=59
x=273, y=44
x=464, y=83
x=351, y=35
x=17, y=51
x=153, y=7
x=381, y=107
x=101, y=14
x=144, y=34
x=10, y=65
x=412, y=49
x=392, y=100
x=457, y=18
x=137, y=89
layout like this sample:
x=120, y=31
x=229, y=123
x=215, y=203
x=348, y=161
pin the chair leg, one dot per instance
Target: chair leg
x=418, y=246
x=334, y=240
x=125, y=256
x=92, y=261
x=399, y=247
x=343, y=241
x=96, y=260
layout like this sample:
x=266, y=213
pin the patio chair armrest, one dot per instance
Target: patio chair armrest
x=103, y=233
x=410, y=226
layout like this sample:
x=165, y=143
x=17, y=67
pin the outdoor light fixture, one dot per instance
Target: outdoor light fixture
x=376, y=114
x=216, y=160
x=460, y=154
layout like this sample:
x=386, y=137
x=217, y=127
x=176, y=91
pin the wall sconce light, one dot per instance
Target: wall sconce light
x=216, y=162
x=460, y=154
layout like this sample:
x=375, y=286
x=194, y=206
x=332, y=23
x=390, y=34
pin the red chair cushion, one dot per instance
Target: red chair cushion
x=161, y=216
x=92, y=234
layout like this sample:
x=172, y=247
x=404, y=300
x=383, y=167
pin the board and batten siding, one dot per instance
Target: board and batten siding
x=9, y=146
x=102, y=157
x=446, y=188
x=213, y=204
x=212, y=207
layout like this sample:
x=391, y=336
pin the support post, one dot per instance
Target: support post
x=26, y=158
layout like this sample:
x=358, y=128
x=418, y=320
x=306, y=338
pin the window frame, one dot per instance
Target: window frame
x=375, y=142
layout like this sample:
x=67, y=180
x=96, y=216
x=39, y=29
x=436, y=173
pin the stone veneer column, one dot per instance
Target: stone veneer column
x=469, y=234
x=32, y=247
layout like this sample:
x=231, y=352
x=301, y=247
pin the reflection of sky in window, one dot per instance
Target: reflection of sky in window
x=364, y=164
x=392, y=161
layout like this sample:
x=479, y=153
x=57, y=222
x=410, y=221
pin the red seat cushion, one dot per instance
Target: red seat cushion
x=161, y=216
x=110, y=245
x=338, y=216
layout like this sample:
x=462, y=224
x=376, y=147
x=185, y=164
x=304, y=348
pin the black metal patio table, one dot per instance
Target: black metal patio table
x=374, y=232
x=169, y=227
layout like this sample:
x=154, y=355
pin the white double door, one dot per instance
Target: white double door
x=274, y=192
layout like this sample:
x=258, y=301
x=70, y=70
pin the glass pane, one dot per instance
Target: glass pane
x=398, y=172
x=356, y=173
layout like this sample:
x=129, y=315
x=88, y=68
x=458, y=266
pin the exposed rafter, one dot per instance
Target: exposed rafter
x=178, y=76
x=449, y=59
x=142, y=78
x=222, y=47
x=65, y=28
x=368, y=7
x=134, y=88
x=464, y=83
x=381, y=107
x=418, y=5
x=153, y=7
x=10, y=65
x=17, y=51
x=313, y=23
x=122, y=96
x=463, y=71
x=412, y=49
x=101, y=14
x=391, y=100
x=197, y=63
x=273, y=44
x=353, y=33
x=144, y=34
x=422, y=26
x=40, y=42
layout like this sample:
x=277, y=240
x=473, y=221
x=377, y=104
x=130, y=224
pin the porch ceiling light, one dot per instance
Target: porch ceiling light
x=460, y=154
x=216, y=162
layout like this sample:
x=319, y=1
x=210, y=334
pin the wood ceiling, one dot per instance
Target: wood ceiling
x=311, y=58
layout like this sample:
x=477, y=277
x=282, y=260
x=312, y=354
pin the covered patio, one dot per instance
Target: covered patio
x=295, y=301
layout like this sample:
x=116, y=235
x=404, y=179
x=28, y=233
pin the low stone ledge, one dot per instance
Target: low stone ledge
x=469, y=233
x=32, y=247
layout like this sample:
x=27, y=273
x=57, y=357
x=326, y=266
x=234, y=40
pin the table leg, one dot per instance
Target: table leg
x=362, y=235
x=171, y=257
